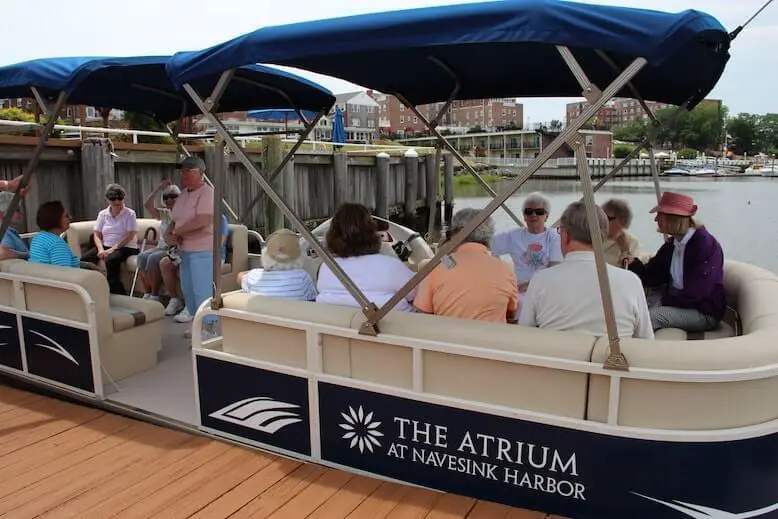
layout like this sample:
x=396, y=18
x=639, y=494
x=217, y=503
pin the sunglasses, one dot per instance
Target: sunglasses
x=169, y=197
x=113, y=198
x=529, y=211
x=611, y=218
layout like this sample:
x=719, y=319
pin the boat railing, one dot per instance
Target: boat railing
x=314, y=345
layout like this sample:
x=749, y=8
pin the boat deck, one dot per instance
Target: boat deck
x=61, y=460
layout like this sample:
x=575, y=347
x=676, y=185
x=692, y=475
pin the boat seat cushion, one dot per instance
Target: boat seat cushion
x=129, y=312
x=676, y=334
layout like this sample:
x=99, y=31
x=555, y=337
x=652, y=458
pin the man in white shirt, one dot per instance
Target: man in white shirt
x=567, y=297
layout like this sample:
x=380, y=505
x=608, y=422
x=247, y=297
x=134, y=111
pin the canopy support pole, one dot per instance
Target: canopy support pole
x=368, y=308
x=29, y=169
x=185, y=152
x=630, y=72
x=277, y=171
x=434, y=199
x=450, y=147
x=174, y=133
x=218, y=185
x=221, y=86
x=616, y=359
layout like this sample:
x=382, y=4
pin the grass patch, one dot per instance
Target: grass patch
x=469, y=180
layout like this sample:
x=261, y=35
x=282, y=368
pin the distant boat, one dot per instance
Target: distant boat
x=691, y=172
x=762, y=169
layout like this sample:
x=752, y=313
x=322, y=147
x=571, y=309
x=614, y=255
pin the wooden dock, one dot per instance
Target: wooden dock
x=61, y=460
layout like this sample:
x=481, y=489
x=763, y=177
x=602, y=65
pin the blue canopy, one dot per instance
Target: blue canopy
x=141, y=84
x=279, y=115
x=496, y=49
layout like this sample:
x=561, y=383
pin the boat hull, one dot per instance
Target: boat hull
x=558, y=470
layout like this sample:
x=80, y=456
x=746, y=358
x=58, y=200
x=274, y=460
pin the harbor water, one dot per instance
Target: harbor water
x=741, y=212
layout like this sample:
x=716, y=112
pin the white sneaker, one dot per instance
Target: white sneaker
x=147, y=296
x=183, y=317
x=174, y=306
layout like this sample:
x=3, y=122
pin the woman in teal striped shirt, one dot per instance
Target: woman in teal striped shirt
x=47, y=246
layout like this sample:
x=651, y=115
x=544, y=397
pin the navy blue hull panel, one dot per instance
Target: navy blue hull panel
x=552, y=469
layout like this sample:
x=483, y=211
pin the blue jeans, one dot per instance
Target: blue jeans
x=196, y=273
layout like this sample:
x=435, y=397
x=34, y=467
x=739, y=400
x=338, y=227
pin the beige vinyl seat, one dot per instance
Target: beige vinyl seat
x=129, y=330
x=79, y=233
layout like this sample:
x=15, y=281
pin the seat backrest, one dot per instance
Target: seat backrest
x=64, y=303
x=79, y=233
x=238, y=247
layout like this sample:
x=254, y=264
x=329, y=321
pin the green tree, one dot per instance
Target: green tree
x=744, y=131
x=635, y=131
x=701, y=129
x=555, y=125
x=622, y=150
x=767, y=133
x=139, y=121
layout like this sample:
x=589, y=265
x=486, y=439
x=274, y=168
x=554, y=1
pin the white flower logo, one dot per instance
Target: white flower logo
x=361, y=429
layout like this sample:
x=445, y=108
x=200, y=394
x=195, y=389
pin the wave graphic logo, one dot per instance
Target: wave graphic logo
x=4, y=327
x=259, y=413
x=55, y=347
x=704, y=512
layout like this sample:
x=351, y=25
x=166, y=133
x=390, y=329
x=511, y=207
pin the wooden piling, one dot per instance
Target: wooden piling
x=340, y=178
x=272, y=153
x=448, y=188
x=382, y=180
x=97, y=171
x=411, y=188
x=432, y=177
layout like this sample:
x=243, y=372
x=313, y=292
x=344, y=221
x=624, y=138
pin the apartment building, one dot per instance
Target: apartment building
x=620, y=112
x=71, y=114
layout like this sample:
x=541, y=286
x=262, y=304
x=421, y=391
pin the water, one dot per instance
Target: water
x=742, y=213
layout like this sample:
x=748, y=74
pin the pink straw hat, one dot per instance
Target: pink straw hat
x=675, y=203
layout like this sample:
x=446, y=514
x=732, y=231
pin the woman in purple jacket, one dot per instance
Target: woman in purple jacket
x=689, y=267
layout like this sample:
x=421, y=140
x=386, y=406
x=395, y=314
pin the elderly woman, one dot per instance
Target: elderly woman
x=688, y=267
x=47, y=246
x=148, y=260
x=533, y=247
x=115, y=237
x=476, y=285
x=191, y=231
x=354, y=241
x=620, y=243
x=282, y=274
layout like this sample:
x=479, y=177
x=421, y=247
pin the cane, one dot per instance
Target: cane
x=153, y=231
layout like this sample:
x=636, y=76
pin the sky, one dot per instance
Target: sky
x=53, y=28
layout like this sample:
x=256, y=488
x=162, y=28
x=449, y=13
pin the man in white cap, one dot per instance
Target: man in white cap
x=12, y=245
x=282, y=274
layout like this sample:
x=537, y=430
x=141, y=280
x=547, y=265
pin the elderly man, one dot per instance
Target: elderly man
x=470, y=283
x=12, y=245
x=567, y=297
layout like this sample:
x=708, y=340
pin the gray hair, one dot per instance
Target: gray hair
x=620, y=209
x=538, y=199
x=482, y=234
x=576, y=224
x=171, y=189
x=114, y=190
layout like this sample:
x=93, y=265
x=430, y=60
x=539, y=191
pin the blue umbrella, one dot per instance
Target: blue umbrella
x=338, y=128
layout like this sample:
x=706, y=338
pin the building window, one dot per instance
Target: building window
x=355, y=122
x=370, y=123
x=402, y=107
x=415, y=119
x=402, y=119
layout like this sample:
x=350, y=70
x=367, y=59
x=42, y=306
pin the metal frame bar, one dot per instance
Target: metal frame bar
x=450, y=147
x=218, y=187
x=29, y=169
x=272, y=176
x=369, y=308
x=630, y=72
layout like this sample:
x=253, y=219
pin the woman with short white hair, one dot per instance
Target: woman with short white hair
x=533, y=247
x=148, y=260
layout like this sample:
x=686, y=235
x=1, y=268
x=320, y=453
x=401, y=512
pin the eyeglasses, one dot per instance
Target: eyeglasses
x=529, y=211
x=169, y=197
x=113, y=198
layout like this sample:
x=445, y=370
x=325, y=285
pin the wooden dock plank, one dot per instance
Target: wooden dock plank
x=59, y=460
